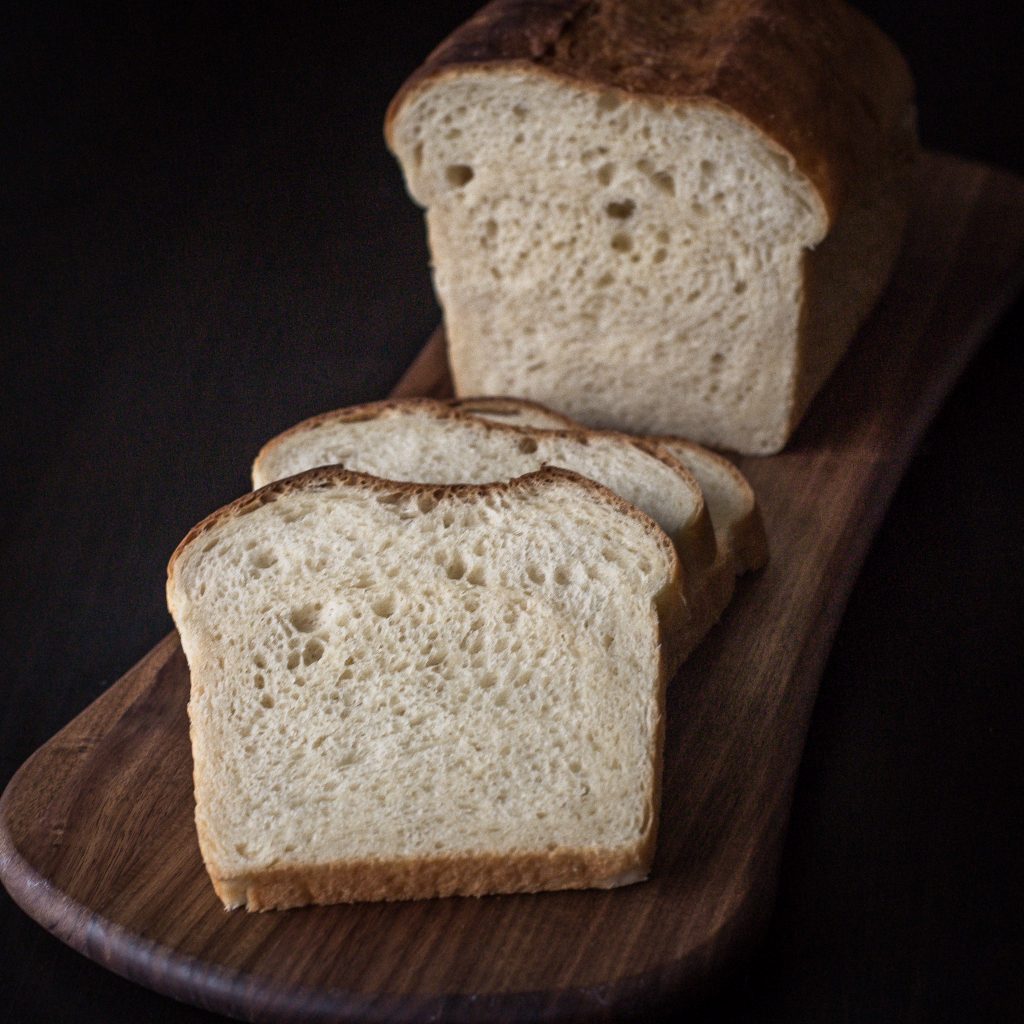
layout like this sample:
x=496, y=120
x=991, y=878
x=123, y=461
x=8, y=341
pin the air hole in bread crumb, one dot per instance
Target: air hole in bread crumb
x=384, y=606
x=527, y=445
x=241, y=849
x=458, y=175
x=605, y=279
x=664, y=181
x=487, y=680
x=293, y=660
x=426, y=502
x=622, y=241
x=267, y=701
x=535, y=574
x=520, y=112
x=659, y=255
x=456, y=568
x=259, y=661
x=305, y=619
x=476, y=576
x=313, y=652
x=606, y=174
x=739, y=287
x=258, y=681
x=607, y=102
x=620, y=210
x=561, y=576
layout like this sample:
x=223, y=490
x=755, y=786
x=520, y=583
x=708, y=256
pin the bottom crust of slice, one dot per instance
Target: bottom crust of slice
x=452, y=875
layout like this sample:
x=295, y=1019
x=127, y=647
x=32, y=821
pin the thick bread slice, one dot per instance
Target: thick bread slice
x=729, y=498
x=426, y=441
x=402, y=691
x=659, y=216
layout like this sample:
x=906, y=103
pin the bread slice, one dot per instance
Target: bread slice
x=403, y=690
x=729, y=498
x=425, y=441
x=660, y=217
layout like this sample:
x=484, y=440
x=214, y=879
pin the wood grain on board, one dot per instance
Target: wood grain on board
x=96, y=834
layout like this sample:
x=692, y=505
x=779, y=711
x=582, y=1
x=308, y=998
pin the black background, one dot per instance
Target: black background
x=206, y=241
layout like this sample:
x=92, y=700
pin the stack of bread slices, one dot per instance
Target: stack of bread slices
x=429, y=654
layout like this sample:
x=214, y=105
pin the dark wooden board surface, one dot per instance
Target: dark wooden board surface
x=96, y=838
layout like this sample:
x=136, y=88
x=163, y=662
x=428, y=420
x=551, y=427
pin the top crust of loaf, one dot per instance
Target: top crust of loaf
x=826, y=87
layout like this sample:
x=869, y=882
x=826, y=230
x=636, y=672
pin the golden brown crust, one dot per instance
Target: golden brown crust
x=430, y=877
x=821, y=82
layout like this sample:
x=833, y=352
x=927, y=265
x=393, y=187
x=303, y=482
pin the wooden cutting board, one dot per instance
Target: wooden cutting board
x=96, y=834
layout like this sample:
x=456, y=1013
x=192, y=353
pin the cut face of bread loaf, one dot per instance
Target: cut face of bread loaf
x=660, y=217
x=403, y=691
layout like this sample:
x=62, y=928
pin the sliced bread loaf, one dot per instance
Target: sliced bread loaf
x=657, y=215
x=403, y=690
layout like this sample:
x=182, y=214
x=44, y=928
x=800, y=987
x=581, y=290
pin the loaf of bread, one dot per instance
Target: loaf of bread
x=403, y=690
x=659, y=216
x=425, y=441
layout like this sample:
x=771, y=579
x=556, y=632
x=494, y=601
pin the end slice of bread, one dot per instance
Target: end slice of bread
x=402, y=690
